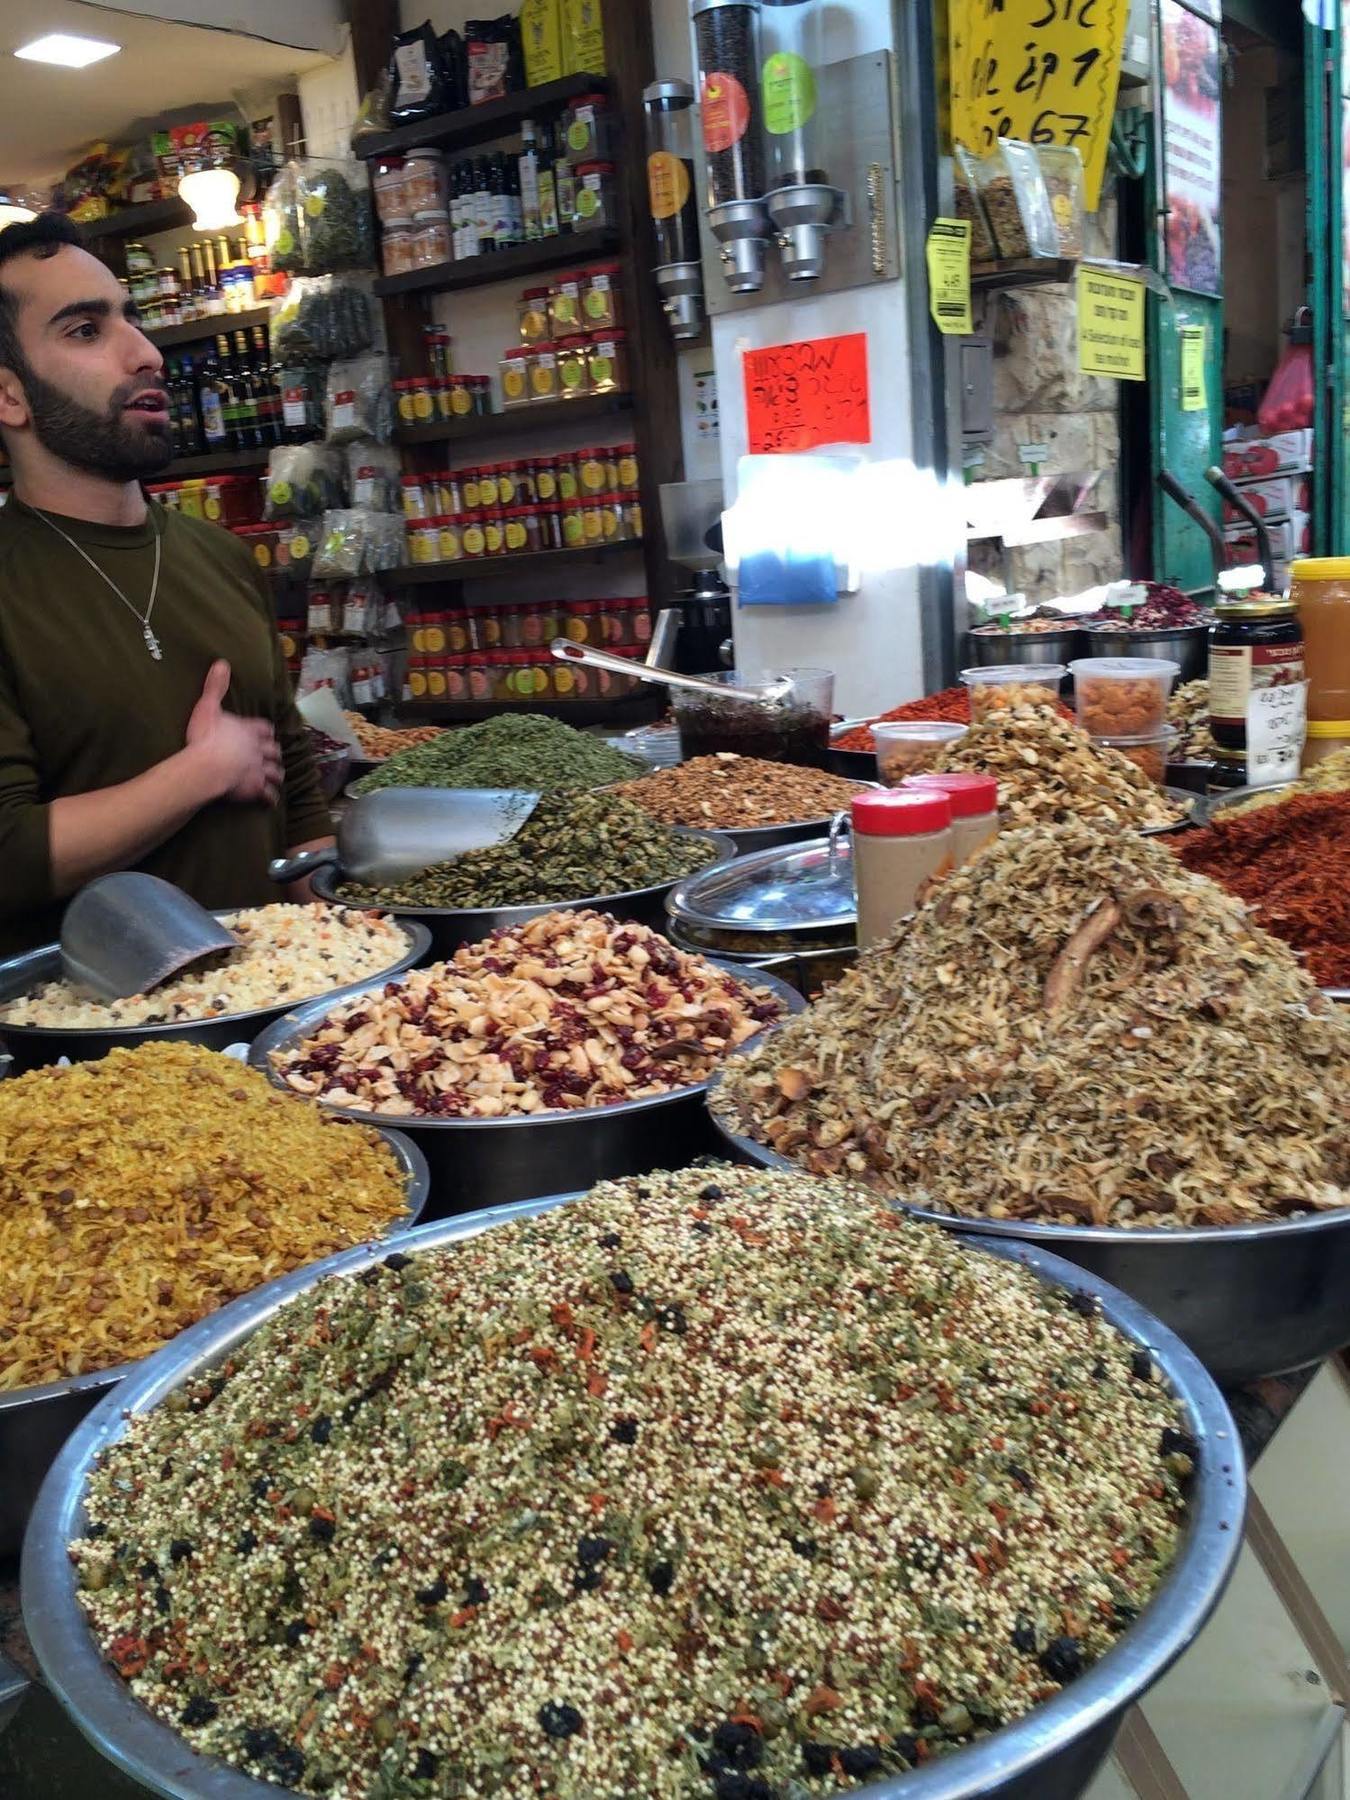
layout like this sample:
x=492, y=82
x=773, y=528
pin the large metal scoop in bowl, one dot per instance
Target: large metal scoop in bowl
x=392, y=833
x=124, y=934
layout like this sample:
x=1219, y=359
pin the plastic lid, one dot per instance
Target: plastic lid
x=535, y=293
x=624, y=449
x=427, y=155
x=437, y=216
x=970, y=796
x=1125, y=668
x=604, y=268
x=610, y=334
x=565, y=276
x=1320, y=568
x=580, y=342
x=900, y=812
x=511, y=355
x=594, y=168
x=1005, y=672
x=590, y=100
x=1257, y=606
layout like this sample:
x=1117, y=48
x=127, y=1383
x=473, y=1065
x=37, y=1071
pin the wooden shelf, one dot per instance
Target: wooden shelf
x=199, y=330
x=470, y=125
x=522, y=421
x=218, y=462
x=1033, y=271
x=517, y=264
x=497, y=568
x=139, y=221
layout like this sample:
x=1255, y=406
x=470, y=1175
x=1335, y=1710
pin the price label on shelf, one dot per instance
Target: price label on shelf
x=1277, y=724
x=949, y=276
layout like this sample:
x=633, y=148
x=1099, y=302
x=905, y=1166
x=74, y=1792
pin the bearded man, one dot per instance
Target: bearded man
x=146, y=719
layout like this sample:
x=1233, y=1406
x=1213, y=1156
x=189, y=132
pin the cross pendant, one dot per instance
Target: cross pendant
x=152, y=643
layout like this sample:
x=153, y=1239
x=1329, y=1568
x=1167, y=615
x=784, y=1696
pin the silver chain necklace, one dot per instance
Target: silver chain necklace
x=142, y=618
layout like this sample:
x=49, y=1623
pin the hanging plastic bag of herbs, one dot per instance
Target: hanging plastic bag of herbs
x=496, y=61
x=282, y=229
x=372, y=116
x=335, y=211
x=421, y=87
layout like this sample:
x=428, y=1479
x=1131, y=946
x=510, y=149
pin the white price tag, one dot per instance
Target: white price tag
x=1277, y=724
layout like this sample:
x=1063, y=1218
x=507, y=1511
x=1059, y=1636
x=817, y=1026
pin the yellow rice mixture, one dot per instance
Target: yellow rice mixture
x=141, y=1192
x=286, y=954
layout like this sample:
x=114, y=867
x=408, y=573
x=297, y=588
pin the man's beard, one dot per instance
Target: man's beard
x=99, y=443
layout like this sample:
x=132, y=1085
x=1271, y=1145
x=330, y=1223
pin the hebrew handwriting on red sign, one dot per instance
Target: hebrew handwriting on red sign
x=799, y=396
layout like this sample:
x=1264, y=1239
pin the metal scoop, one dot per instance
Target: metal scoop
x=392, y=833
x=772, y=691
x=125, y=933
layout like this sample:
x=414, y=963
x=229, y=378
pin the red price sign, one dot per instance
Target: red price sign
x=799, y=396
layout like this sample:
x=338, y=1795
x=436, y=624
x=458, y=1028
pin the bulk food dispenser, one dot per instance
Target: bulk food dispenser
x=668, y=109
x=727, y=36
x=800, y=200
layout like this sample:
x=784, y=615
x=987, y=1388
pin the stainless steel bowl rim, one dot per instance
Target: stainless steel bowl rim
x=1045, y=1231
x=1208, y=805
x=417, y=1181
x=1181, y=797
x=418, y=943
x=142, y=1745
x=304, y=1018
x=533, y=909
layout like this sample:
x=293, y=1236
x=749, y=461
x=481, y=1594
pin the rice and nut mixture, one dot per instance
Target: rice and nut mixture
x=286, y=954
x=140, y=1192
x=571, y=1010
x=722, y=1483
x=1072, y=1029
x=730, y=790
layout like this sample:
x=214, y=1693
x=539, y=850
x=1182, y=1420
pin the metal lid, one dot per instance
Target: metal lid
x=1263, y=606
x=703, y=6
x=669, y=92
x=788, y=888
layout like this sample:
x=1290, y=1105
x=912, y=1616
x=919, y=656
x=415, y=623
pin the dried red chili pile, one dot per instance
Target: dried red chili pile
x=1291, y=863
x=952, y=705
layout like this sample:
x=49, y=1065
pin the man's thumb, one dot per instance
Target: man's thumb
x=217, y=683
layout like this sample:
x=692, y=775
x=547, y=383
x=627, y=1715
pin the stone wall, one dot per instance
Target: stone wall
x=1041, y=398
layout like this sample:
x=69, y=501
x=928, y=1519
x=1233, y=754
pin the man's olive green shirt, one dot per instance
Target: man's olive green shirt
x=83, y=705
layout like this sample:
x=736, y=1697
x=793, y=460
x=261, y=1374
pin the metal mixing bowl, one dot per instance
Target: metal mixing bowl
x=992, y=649
x=36, y=1421
x=1249, y=1300
x=1049, y=1754
x=35, y=1046
x=449, y=927
x=493, y=1161
x=1187, y=645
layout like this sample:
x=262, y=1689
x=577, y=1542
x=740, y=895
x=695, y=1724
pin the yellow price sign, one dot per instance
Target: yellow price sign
x=949, y=276
x=1042, y=71
x=1194, y=340
x=1110, y=325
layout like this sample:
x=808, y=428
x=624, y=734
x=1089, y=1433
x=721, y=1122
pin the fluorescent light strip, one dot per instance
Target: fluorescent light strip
x=66, y=51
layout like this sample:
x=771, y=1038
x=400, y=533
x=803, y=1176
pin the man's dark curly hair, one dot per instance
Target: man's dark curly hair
x=42, y=236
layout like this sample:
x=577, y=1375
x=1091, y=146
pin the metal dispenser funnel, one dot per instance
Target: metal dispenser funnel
x=727, y=33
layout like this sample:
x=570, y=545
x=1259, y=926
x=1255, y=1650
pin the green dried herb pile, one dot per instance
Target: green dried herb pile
x=571, y=847
x=513, y=750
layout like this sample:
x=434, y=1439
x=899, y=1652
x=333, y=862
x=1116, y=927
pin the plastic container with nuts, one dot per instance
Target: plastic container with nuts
x=908, y=746
x=1017, y=202
x=970, y=206
x=1150, y=753
x=1122, y=696
x=1006, y=685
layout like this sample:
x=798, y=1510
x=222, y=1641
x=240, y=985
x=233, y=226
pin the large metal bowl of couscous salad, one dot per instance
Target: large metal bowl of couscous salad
x=571, y=1510
x=286, y=954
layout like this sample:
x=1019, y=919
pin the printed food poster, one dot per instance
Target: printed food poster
x=1191, y=137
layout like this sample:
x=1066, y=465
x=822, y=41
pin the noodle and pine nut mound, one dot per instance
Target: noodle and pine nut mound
x=1075, y=1030
x=286, y=954
x=716, y=1483
x=141, y=1192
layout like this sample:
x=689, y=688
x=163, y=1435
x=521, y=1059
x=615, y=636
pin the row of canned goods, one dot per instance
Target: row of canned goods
x=526, y=530
x=526, y=481
x=615, y=622
x=510, y=675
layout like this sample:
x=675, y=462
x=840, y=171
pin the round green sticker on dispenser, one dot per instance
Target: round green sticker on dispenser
x=789, y=92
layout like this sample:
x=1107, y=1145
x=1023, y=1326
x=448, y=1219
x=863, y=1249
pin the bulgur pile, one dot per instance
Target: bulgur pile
x=1072, y=1029
x=717, y=1485
x=286, y=954
x=571, y=1010
x=140, y=1192
x=730, y=790
x=1049, y=772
